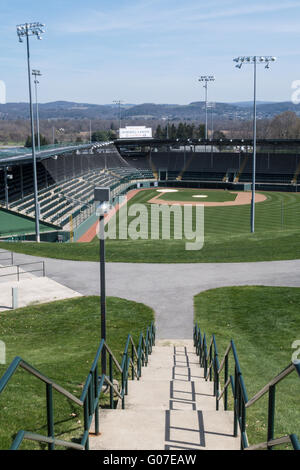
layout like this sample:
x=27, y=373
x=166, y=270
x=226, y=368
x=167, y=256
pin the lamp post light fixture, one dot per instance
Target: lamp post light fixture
x=167, y=120
x=102, y=196
x=7, y=177
x=36, y=74
x=206, y=79
x=25, y=31
x=254, y=60
x=119, y=102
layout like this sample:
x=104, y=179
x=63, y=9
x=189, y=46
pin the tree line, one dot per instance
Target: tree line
x=283, y=126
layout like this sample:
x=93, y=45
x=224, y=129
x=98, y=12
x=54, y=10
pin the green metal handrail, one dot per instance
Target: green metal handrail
x=92, y=389
x=209, y=360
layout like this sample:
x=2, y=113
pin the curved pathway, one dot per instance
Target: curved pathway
x=167, y=288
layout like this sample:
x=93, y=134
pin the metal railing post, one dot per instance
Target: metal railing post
x=225, y=381
x=50, y=417
x=96, y=378
x=132, y=363
x=123, y=390
x=235, y=419
x=86, y=422
x=271, y=414
x=111, y=378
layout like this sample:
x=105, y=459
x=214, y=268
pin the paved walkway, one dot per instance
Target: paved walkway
x=32, y=289
x=167, y=288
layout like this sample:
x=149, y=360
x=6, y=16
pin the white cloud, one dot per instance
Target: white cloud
x=152, y=16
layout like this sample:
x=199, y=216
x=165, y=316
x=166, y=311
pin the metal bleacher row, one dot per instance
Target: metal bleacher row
x=195, y=166
x=58, y=200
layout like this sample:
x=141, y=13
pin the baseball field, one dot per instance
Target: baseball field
x=226, y=229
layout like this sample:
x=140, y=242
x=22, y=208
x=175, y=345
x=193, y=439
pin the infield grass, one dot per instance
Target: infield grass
x=263, y=322
x=188, y=195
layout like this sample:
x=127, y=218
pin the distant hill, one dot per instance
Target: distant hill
x=249, y=104
x=192, y=111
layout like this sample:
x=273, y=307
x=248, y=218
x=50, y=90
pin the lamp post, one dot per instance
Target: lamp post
x=102, y=196
x=25, y=31
x=119, y=102
x=36, y=74
x=7, y=177
x=254, y=60
x=212, y=106
x=206, y=79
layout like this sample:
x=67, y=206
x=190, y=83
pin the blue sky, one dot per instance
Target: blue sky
x=151, y=50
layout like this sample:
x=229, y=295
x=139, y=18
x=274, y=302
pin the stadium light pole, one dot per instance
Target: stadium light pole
x=25, y=31
x=206, y=79
x=102, y=196
x=119, y=102
x=37, y=73
x=254, y=60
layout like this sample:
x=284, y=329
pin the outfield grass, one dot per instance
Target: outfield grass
x=263, y=322
x=227, y=237
x=187, y=195
x=60, y=339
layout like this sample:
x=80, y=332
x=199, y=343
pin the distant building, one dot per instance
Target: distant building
x=135, y=132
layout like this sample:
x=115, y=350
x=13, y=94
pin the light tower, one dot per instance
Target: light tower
x=206, y=79
x=254, y=60
x=37, y=73
x=119, y=102
x=25, y=31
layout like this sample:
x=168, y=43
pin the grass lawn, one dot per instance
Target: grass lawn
x=227, y=237
x=187, y=195
x=263, y=322
x=60, y=339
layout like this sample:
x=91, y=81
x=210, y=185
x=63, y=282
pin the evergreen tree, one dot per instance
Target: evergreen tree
x=159, y=132
x=43, y=141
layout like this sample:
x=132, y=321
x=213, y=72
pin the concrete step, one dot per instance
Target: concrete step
x=162, y=372
x=170, y=395
x=165, y=430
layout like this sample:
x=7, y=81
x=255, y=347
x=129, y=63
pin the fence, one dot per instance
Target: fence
x=18, y=269
x=7, y=256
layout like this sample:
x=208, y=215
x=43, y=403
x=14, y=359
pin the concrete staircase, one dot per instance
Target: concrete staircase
x=171, y=407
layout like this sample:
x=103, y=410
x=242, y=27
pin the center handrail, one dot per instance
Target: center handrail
x=92, y=389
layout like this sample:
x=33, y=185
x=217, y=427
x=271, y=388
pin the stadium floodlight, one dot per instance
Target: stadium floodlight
x=206, y=79
x=254, y=60
x=25, y=31
x=37, y=73
x=102, y=196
